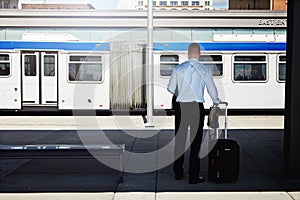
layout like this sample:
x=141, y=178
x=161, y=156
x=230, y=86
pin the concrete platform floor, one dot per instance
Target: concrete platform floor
x=261, y=162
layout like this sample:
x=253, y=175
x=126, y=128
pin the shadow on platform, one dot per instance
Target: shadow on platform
x=261, y=163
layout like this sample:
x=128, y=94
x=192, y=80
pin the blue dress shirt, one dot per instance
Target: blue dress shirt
x=191, y=77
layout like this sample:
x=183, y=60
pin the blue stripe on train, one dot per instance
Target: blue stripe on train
x=223, y=46
x=74, y=46
x=170, y=46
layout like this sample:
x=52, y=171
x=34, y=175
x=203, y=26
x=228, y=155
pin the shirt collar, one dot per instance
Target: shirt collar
x=193, y=61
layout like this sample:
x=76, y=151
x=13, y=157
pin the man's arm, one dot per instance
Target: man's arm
x=172, y=82
x=211, y=87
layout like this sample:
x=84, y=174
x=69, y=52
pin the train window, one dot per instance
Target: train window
x=181, y=34
x=222, y=31
x=14, y=33
x=214, y=62
x=203, y=34
x=167, y=64
x=281, y=31
x=100, y=34
x=282, y=68
x=38, y=30
x=250, y=58
x=184, y=3
x=250, y=68
x=85, y=68
x=243, y=31
x=81, y=33
x=2, y=34
x=30, y=65
x=4, y=65
x=162, y=3
x=86, y=58
x=264, y=31
x=49, y=65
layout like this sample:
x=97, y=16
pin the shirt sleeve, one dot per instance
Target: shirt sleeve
x=211, y=87
x=172, y=82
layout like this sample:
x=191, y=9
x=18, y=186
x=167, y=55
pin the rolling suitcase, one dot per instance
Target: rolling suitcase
x=223, y=158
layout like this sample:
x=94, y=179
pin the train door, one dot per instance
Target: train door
x=49, y=78
x=39, y=79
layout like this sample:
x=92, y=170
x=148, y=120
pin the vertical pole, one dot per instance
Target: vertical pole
x=150, y=66
x=292, y=95
x=271, y=4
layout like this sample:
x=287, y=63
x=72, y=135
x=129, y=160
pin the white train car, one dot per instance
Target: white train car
x=54, y=74
x=96, y=60
x=249, y=75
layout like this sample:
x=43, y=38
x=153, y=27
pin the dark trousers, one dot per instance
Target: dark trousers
x=188, y=115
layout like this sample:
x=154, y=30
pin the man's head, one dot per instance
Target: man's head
x=194, y=51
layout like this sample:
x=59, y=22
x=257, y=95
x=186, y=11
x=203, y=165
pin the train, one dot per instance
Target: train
x=96, y=59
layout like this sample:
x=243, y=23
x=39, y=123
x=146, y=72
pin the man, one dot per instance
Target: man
x=189, y=79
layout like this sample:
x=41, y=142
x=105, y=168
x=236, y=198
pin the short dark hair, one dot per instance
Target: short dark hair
x=194, y=48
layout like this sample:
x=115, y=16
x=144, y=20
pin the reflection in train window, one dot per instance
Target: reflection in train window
x=85, y=68
x=167, y=64
x=49, y=65
x=282, y=68
x=250, y=68
x=4, y=65
x=214, y=62
x=30, y=65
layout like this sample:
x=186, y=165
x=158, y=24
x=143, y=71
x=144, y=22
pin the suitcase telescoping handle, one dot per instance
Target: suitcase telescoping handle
x=226, y=118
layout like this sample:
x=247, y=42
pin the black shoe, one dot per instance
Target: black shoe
x=178, y=176
x=197, y=180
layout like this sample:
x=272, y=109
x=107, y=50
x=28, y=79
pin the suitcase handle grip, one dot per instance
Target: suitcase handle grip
x=224, y=102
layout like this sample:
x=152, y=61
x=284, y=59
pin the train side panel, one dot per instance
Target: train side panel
x=82, y=93
x=163, y=62
x=258, y=88
x=10, y=81
x=267, y=93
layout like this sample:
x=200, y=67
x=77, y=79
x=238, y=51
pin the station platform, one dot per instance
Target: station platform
x=261, y=161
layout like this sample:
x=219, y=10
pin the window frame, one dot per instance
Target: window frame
x=177, y=63
x=9, y=62
x=207, y=3
x=173, y=3
x=195, y=3
x=163, y=3
x=184, y=3
x=214, y=62
x=250, y=62
x=85, y=62
x=277, y=68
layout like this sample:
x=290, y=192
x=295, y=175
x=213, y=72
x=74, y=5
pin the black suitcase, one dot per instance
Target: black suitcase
x=224, y=161
x=223, y=158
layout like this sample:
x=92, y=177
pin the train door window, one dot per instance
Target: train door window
x=281, y=68
x=167, y=64
x=250, y=68
x=49, y=65
x=214, y=62
x=30, y=65
x=85, y=68
x=4, y=65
